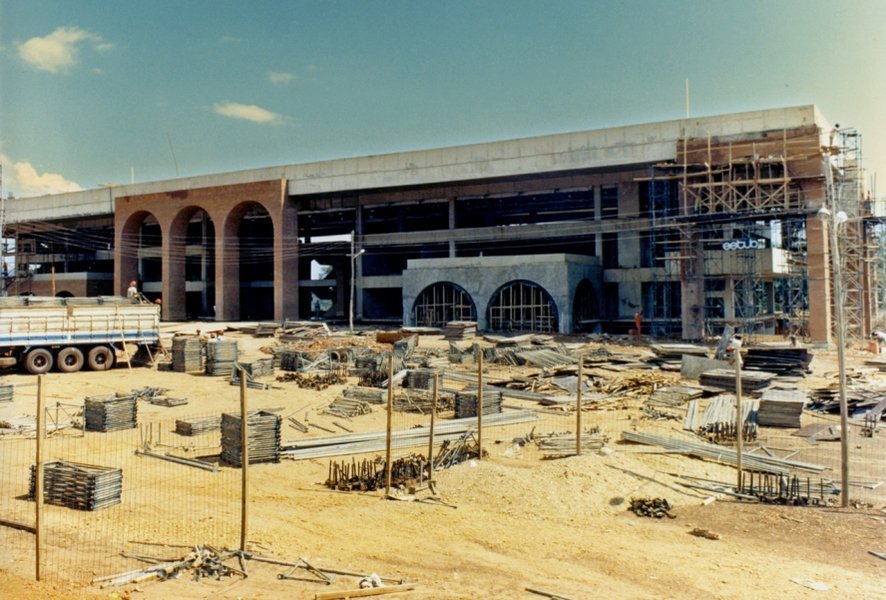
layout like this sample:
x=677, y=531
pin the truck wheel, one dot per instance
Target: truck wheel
x=69, y=360
x=38, y=361
x=100, y=358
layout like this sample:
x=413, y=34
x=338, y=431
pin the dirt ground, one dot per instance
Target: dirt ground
x=512, y=521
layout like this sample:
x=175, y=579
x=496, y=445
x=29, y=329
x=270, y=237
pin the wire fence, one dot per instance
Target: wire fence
x=332, y=422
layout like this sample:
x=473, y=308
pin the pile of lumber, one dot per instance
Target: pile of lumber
x=6, y=392
x=110, y=413
x=558, y=446
x=348, y=407
x=187, y=354
x=672, y=396
x=670, y=356
x=460, y=330
x=778, y=360
x=724, y=379
x=466, y=404
x=220, y=357
x=197, y=425
x=421, y=401
x=781, y=408
x=79, y=486
x=263, y=434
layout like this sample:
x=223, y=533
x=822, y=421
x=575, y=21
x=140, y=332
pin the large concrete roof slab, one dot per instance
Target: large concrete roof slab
x=599, y=148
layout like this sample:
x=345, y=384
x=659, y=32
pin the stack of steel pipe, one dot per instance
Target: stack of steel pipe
x=80, y=486
x=110, y=413
x=220, y=357
x=263, y=432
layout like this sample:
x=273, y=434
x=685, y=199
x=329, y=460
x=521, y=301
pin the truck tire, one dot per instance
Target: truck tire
x=100, y=358
x=38, y=361
x=69, y=360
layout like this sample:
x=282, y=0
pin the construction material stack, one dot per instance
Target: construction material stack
x=220, y=357
x=466, y=404
x=79, y=486
x=110, y=413
x=781, y=408
x=263, y=433
x=187, y=354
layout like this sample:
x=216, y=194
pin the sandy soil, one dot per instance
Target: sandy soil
x=516, y=522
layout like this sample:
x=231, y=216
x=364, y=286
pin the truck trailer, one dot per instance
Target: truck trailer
x=40, y=333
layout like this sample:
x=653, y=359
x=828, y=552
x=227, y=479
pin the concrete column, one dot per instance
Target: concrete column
x=692, y=289
x=819, y=277
x=358, y=265
x=125, y=260
x=452, y=224
x=729, y=298
x=598, y=216
x=227, y=271
x=173, y=265
x=286, y=263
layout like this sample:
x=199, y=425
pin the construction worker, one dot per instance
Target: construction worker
x=638, y=323
x=880, y=338
x=733, y=350
x=132, y=290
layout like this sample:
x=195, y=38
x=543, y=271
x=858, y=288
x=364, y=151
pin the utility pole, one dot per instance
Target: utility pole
x=353, y=256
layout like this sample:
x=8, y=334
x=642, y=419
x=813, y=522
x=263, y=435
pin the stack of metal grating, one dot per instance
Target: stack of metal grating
x=220, y=357
x=466, y=404
x=290, y=360
x=75, y=485
x=110, y=413
x=187, y=354
x=264, y=438
x=781, y=408
x=197, y=425
x=419, y=379
x=6, y=392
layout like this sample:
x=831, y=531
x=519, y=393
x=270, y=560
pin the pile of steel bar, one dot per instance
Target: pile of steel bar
x=751, y=462
x=348, y=407
x=197, y=425
x=221, y=357
x=314, y=381
x=457, y=450
x=558, y=446
x=80, y=486
x=6, y=392
x=369, y=475
x=466, y=404
x=203, y=561
x=263, y=431
x=362, y=443
x=793, y=491
x=717, y=423
x=110, y=413
x=651, y=507
x=187, y=354
x=422, y=402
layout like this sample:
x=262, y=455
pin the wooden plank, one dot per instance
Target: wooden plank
x=363, y=593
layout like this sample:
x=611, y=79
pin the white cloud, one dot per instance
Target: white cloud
x=23, y=181
x=248, y=112
x=58, y=51
x=280, y=78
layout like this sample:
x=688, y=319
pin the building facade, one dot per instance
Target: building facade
x=693, y=223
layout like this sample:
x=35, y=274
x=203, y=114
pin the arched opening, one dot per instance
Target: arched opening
x=140, y=252
x=200, y=265
x=64, y=294
x=522, y=306
x=585, y=309
x=255, y=254
x=441, y=303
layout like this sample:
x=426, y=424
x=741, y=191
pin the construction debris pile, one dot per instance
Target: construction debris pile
x=558, y=445
x=651, y=507
x=313, y=381
x=263, y=433
x=203, y=561
x=79, y=486
x=157, y=396
x=110, y=413
x=859, y=399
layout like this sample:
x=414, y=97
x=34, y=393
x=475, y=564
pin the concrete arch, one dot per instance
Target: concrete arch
x=522, y=305
x=442, y=302
x=585, y=307
x=132, y=246
x=64, y=294
x=249, y=233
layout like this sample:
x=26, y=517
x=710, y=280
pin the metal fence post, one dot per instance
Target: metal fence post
x=480, y=405
x=581, y=360
x=244, y=461
x=388, y=437
x=38, y=479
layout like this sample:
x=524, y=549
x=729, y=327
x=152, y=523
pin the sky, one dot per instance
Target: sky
x=96, y=92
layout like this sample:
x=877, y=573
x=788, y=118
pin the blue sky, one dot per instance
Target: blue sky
x=92, y=90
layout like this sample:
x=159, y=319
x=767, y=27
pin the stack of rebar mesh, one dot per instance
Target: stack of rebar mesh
x=6, y=392
x=466, y=404
x=187, y=354
x=110, y=413
x=197, y=425
x=220, y=357
x=263, y=433
x=76, y=485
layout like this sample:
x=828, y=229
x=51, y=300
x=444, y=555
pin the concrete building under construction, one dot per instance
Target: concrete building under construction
x=692, y=223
